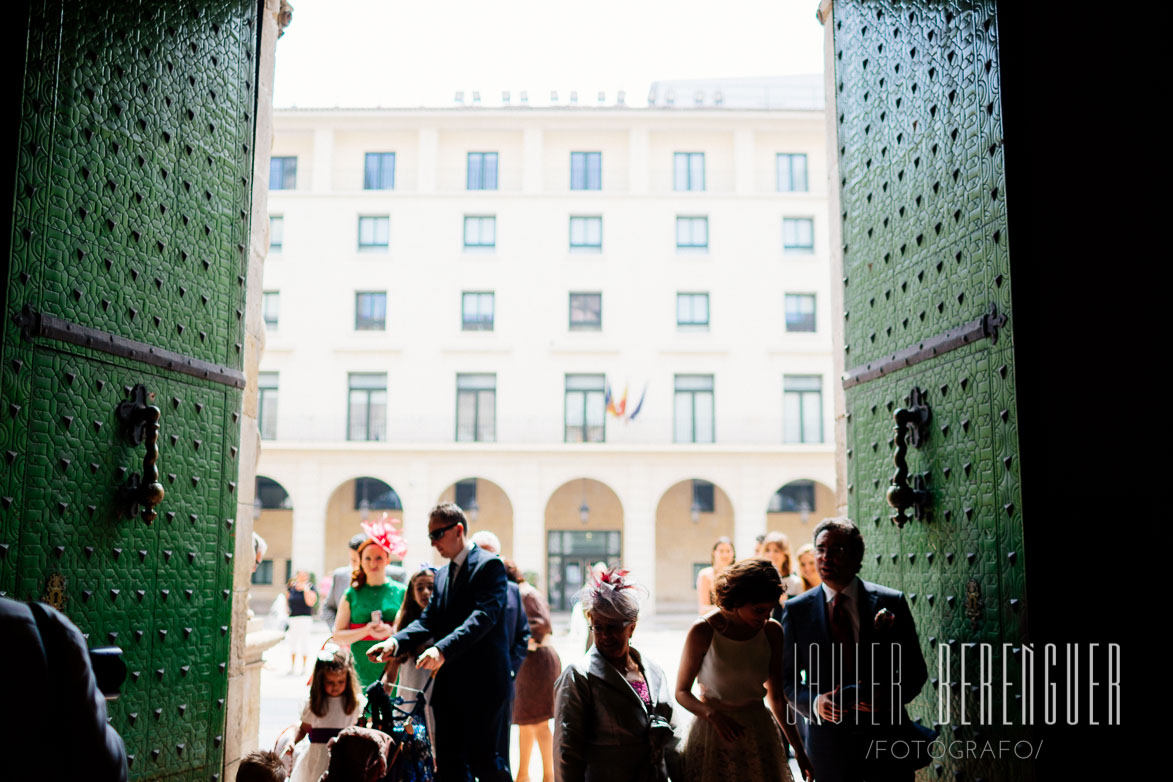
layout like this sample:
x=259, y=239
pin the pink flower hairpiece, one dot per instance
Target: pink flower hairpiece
x=383, y=532
x=615, y=577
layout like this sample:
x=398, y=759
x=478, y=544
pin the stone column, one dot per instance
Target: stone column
x=835, y=250
x=639, y=532
x=242, y=717
x=749, y=507
x=529, y=523
x=309, y=520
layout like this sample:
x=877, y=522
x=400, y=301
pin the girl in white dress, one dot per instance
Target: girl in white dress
x=735, y=654
x=334, y=703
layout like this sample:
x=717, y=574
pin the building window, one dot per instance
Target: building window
x=793, y=498
x=377, y=495
x=374, y=233
x=263, y=575
x=586, y=233
x=702, y=496
x=282, y=173
x=585, y=409
x=802, y=409
x=270, y=308
x=800, y=312
x=694, y=409
x=791, y=173
x=367, y=413
x=267, y=405
x=379, y=171
x=465, y=494
x=476, y=408
x=798, y=235
x=482, y=170
x=370, y=311
x=586, y=311
x=276, y=232
x=692, y=309
x=688, y=171
x=480, y=231
x=692, y=232
x=476, y=311
x=586, y=170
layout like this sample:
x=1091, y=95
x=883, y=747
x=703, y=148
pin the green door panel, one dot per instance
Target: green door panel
x=133, y=180
x=926, y=249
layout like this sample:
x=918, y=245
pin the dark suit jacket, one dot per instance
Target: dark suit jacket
x=516, y=630
x=51, y=683
x=883, y=657
x=466, y=621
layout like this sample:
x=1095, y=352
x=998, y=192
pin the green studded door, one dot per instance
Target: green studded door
x=926, y=298
x=126, y=253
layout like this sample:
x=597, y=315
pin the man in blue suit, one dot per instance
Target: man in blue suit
x=470, y=653
x=517, y=632
x=851, y=661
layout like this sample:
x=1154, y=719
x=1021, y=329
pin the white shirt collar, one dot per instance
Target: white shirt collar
x=462, y=555
x=851, y=590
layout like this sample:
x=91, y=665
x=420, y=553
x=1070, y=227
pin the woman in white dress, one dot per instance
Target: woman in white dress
x=334, y=704
x=735, y=654
x=722, y=556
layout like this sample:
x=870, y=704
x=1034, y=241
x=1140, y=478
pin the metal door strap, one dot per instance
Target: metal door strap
x=35, y=324
x=979, y=328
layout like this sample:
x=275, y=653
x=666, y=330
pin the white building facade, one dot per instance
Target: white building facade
x=450, y=293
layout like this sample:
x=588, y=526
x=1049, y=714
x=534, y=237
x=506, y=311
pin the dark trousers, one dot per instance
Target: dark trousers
x=506, y=725
x=468, y=742
x=842, y=754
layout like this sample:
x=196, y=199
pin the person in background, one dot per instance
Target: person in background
x=402, y=671
x=370, y=605
x=808, y=571
x=55, y=713
x=301, y=598
x=735, y=654
x=463, y=625
x=517, y=632
x=757, y=545
x=260, y=766
x=579, y=625
x=334, y=703
x=721, y=557
x=776, y=548
x=259, y=549
x=533, y=706
x=851, y=664
x=601, y=732
x=340, y=579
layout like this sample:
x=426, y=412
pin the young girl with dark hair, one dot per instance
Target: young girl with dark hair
x=735, y=653
x=334, y=703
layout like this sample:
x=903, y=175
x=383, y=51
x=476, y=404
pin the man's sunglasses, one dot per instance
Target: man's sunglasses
x=436, y=534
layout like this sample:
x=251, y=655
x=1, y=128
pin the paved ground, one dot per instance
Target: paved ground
x=660, y=637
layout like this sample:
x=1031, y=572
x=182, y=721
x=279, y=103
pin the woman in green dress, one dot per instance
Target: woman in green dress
x=367, y=611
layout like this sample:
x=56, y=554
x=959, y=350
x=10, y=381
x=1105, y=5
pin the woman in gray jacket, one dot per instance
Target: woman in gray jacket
x=613, y=719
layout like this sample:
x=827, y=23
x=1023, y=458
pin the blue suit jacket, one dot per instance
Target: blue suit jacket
x=516, y=629
x=466, y=620
x=883, y=657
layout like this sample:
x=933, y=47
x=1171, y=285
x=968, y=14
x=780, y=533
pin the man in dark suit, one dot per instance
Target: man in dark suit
x=470, y=654
x=851, y=661
x=517, y=633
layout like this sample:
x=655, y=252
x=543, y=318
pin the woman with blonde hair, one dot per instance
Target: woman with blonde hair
x=722, y=556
